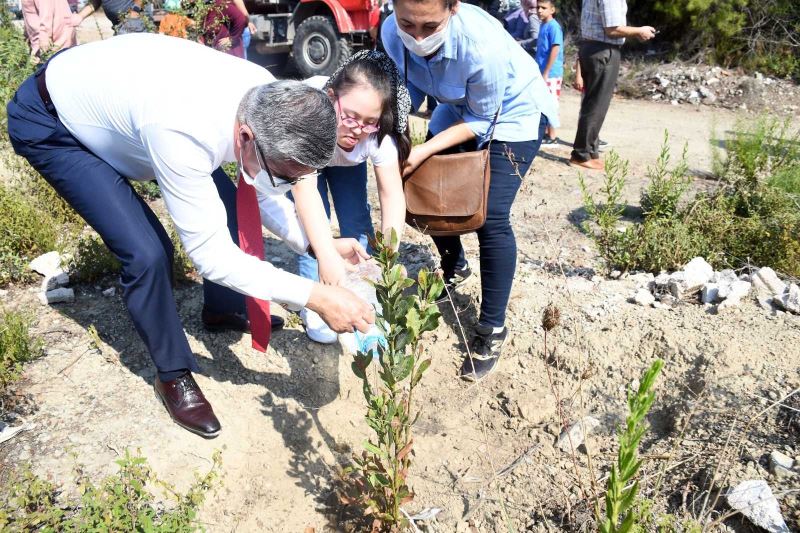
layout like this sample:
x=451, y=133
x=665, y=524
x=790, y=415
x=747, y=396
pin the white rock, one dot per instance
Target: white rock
x=576, y=433
x=55, y=280
x=696, y=273
x=790, y=300
x=766, y=280
x=644, y=297
x=57, y=296
x=735, y=291
x=47, y=264
x=754, y=499
x=111, y=291
x=780, y=464
x=3, y=293
x=643, y=279
x=710, y=293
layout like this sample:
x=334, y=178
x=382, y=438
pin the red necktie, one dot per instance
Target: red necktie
x=251, y=242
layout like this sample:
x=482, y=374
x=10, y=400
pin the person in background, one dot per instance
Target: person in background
x=373, y=105
x=577, y=84
x=603, y=32
x=550, y=56
x=49, y=26
x=463, y=57
x=523, y=25
x=125, y=15
x=249, y=30
x=223, y=27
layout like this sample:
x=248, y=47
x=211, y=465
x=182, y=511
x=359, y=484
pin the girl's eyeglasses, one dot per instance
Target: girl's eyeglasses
x=350, y=122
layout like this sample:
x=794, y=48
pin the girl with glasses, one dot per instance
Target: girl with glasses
x=372, y=104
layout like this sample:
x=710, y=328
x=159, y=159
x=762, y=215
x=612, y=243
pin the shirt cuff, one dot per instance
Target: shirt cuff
x=291, y=290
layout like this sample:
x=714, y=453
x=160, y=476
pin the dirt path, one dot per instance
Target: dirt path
x=290, y=416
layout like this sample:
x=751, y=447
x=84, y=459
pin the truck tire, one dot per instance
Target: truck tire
x=318, y=49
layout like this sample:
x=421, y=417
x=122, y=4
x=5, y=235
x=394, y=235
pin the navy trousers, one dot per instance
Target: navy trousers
x=129, y=228
x=509, y=162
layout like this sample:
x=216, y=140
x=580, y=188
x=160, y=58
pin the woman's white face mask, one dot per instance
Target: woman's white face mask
x=426, y=46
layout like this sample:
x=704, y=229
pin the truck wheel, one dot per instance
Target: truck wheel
x=318, y=49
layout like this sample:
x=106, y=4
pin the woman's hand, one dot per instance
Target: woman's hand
x=252, y=28
x=417, y=156
x=224, y=44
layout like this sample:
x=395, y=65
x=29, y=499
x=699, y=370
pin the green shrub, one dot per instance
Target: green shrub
x=149, y=190
x=17, y=346
x=666, y=187
x=121, y=502
x=15, y=63
x=92, y=260
x=751, y=218
x=27, y=231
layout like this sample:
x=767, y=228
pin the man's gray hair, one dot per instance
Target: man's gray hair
x=291, y=121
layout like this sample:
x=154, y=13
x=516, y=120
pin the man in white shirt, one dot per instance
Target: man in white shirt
x=176, y=118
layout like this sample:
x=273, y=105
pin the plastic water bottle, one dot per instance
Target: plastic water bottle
x=359, y=282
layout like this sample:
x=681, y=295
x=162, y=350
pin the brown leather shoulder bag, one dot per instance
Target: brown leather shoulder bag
x=448, y=193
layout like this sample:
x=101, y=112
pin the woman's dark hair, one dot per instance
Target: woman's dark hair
x=367, y=72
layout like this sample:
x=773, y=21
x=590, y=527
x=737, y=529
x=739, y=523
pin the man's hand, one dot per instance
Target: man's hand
x=578, y=83
x=351, y=250
x=645, y=33
x=342, y=310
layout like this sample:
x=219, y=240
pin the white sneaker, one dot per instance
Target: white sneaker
x=316, y=328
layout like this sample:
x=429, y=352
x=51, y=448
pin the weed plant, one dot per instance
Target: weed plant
x=622, y=490
x=121, y=502
x=17, y=347
x=751, y=218
x=377, y=482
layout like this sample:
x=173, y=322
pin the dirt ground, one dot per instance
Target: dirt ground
x=485, y=452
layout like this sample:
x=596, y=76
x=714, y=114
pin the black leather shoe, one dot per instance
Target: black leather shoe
x=234, y=322
x=485, y=349
x=187, y=406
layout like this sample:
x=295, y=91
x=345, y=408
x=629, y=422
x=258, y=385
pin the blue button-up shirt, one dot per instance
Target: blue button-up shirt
x=479, y=69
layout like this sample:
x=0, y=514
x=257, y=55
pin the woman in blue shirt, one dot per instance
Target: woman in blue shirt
x=464, y=58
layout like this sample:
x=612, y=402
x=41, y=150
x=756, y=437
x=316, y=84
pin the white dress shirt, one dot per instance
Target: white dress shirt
x=153, y=106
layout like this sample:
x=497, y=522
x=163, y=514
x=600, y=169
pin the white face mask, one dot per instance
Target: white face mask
x=426, y=46
x=263, y=184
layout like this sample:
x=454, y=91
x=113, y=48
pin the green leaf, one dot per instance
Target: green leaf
x=423, y=366
x=374, y=449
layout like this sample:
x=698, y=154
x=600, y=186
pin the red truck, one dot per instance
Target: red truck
x=320, y=34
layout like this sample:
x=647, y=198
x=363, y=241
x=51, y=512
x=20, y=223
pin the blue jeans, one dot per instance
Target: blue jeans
x=348, y=190
x=498, y=246
x=127, y=225
x=246, y=40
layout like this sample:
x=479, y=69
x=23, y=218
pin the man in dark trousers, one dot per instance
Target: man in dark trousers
x=177, y=118
x=603, y=32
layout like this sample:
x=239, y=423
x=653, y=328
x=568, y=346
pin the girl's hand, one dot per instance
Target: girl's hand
x=332, y=270
x=252, y=28
x=351, y=251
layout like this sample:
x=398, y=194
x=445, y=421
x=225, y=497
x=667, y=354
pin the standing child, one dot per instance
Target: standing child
x=373, y=105
x=550, y=55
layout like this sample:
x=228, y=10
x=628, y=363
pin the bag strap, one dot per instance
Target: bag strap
x=496, y=114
